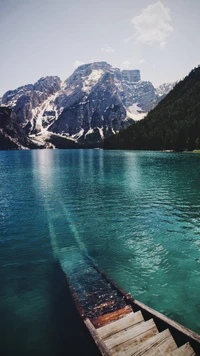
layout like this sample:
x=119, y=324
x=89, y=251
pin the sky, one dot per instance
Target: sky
x=53, y=37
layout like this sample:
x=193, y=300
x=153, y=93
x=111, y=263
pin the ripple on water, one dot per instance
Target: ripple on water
x=135, y=213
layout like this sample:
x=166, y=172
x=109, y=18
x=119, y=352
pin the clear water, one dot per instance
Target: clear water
x=136, y=214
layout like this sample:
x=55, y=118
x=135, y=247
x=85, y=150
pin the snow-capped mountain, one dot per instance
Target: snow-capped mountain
x=95, y=101
x=30, y=101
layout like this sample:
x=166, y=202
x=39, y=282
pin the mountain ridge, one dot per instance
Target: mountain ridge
x=96, y=101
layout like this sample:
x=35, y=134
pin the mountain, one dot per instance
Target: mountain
x=174, y=124
x=12, y=136
x=96, y=101
x=29, y=102
x=163, y=89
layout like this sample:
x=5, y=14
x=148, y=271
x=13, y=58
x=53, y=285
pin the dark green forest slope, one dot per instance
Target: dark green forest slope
x=173, y=125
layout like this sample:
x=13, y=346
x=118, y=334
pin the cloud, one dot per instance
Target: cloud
x=142, y=60
x=107, y=49
x=126, y=64
x=78, y=63
x=153, y=25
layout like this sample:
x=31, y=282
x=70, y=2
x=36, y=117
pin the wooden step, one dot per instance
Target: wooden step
x=125, y=349
x=121, y=324
x=99, y=342
x=185, y=350
x=159, y=345
x=130, y=333
x=109, y=317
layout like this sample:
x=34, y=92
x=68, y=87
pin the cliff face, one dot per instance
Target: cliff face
x=12, y=135
x=95, y=101
x=29, y=100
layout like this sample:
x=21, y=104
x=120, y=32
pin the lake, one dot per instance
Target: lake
x=136, y=214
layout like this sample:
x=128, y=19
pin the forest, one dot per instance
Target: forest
x=174, y=124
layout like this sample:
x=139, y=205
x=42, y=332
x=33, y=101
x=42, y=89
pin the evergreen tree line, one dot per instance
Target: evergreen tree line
x=173, y=125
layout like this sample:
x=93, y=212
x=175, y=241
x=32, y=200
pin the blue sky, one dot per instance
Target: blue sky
x=46, y=37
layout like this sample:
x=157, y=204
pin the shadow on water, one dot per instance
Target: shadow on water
x=62, y=333
x=69, y=331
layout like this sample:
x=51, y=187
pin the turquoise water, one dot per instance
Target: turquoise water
x=136, y=214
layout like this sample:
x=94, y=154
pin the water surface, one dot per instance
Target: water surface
x=136, y=214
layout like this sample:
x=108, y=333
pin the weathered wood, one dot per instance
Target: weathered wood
x=185, y=350
x=164, y=349
x=153, y=313
x=130, y=333
x=125, y=349
x=99, y=342
x=160, y=344
x=168, y=321
x=74, y=296
x=116, y=321
x=118, y=325
x=109, y=317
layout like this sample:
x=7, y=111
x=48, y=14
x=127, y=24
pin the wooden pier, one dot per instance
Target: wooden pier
x=121, y=325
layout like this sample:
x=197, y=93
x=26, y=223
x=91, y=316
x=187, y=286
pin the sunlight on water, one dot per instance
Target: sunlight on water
x=135, y=214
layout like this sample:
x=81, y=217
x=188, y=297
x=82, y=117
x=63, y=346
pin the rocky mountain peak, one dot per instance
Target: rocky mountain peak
x=93, y=66
x=131, y=75
x=49, y=84
x=95, y=101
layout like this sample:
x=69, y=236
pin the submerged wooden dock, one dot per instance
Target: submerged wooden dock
x=121, y=325
x=130, y=335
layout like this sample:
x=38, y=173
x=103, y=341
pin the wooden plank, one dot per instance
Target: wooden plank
x=185, y=350
x=125, y=349
x=129, y=333
x=165, y=348
x=170, y=323
x=109, y=317
x=99, y=342
x=120, y=324
x=160, y=344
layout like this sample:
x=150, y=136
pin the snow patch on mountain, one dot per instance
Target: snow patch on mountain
x=135, y=112
x=101, y=132
x=78, y=135
x=90, y=131
x=91, y=80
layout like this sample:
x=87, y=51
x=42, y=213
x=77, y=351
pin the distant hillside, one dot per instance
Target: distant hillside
x=173, y=125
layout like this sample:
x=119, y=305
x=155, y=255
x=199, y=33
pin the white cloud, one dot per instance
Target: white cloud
x=142, y=60
x=107, y=49
x=153, y=25
x=126, y=64
x=78, y=63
